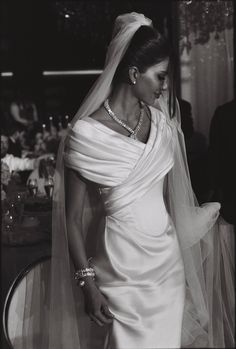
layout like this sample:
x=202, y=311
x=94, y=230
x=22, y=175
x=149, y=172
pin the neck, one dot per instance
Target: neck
x=124, y=104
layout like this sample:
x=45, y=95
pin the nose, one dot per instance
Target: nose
x=165, y=85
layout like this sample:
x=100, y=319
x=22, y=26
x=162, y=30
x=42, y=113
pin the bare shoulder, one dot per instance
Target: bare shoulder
x=102, y=116
x=99, y=115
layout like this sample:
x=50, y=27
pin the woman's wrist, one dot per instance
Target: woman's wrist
x=89, y=283
x=85, y=276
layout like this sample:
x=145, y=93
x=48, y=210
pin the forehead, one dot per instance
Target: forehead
x=159, y=67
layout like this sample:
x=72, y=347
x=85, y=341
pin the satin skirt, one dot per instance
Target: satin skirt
x=140, y=270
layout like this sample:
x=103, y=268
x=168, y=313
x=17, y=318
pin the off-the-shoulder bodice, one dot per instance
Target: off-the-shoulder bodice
x=124, y=168
x=108, y=158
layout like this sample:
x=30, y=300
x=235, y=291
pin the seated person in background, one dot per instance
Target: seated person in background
x=221, y=164
x=45, y=170
x=15, y=134
x=196, y=148
x=15, y=163
x=23, y=110
x=39, y=145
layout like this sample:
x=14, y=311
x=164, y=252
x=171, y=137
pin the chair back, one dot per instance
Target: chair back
x=25, y=312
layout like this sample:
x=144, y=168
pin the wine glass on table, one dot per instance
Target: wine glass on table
x=32, y=187
x=48, y=186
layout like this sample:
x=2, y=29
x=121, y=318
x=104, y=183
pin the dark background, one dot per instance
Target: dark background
x=37, y=36
x=63, y=35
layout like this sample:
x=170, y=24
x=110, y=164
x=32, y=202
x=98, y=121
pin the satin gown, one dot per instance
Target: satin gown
x=138, y=262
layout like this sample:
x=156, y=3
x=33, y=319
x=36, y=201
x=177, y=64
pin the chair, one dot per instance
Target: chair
x=24, y=316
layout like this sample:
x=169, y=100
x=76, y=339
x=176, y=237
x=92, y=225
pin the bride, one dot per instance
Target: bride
x=123, y=187
x=125, y=148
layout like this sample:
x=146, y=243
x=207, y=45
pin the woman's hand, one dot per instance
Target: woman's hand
x=96, y=305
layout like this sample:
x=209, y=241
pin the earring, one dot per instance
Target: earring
x=134, y=82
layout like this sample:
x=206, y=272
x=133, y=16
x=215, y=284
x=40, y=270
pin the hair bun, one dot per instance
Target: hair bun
x=130, y=19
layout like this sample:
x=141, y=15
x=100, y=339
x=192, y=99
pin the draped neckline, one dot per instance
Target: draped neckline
x=97, y=124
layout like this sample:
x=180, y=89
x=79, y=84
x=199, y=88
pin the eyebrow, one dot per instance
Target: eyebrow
x=165, y=72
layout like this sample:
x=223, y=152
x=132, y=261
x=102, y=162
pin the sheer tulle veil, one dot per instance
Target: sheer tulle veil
x=66, y=325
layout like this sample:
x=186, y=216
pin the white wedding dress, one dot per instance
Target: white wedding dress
x=138, y=262
x=159, y=296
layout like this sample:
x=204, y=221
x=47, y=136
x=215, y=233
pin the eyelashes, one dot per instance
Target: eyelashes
x=161, y=77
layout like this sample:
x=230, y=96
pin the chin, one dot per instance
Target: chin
x=156, y=103
x=150, y=102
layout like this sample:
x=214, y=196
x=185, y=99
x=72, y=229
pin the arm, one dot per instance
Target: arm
x=19, y=164
x=74, y=195
x=15, y=112
x=35, y=112
x=95, y=302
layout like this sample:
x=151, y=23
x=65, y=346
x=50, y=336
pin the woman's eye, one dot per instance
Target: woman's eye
x=161, y=77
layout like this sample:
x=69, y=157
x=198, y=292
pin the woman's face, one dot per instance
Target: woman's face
x=149, y=85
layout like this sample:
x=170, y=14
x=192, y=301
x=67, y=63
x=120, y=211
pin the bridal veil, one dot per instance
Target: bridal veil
x=64, y=325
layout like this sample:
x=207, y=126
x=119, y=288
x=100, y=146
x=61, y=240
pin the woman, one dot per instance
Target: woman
x=125, y=148
x=136, y=216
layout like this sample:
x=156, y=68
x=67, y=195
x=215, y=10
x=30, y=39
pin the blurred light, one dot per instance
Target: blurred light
x=72, y=72
x=6, y=74
x=201, y=18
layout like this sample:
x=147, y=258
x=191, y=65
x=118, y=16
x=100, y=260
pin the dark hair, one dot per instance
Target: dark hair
x=147, y=48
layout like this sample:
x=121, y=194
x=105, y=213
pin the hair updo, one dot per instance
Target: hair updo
x=147, y=47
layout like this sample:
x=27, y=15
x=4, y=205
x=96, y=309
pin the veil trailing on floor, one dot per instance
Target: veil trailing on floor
x=64, y=324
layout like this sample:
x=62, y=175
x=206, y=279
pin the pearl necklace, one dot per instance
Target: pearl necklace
x=133, y=132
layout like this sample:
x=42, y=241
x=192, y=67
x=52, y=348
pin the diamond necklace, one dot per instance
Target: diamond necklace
x=133, y=132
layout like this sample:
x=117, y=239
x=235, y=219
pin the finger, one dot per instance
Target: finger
x=106, y=312
x=93, y=318
x=102, y=318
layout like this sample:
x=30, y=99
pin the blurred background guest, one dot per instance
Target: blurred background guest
x=196, y=148
x=16, y=163
x=15, y=136
x=222, y=174
x=221, y=153
x=13, y=162
x=43, y=173
x=23, y=110
x=39, y=146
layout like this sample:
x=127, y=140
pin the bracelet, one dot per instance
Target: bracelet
x=82, y=273
x=81, y=283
